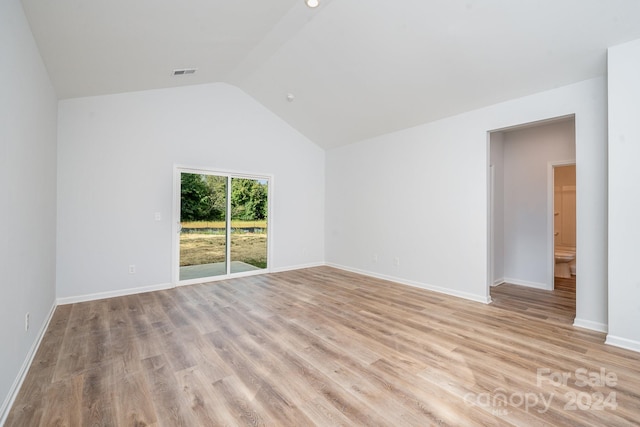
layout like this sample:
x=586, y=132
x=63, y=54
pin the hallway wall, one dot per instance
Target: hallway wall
x=527, y=153
x=624, y=197
x=420, y=196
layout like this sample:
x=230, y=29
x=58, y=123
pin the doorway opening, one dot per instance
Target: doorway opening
x=521, y=200
x=221, y=225
x=562, y=216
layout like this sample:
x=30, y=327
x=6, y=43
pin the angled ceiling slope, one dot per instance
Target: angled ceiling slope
x=357, y=68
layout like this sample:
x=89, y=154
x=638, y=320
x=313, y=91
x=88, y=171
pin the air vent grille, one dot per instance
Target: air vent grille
x=184, y=71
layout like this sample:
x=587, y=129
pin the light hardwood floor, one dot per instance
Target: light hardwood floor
x=325, y=347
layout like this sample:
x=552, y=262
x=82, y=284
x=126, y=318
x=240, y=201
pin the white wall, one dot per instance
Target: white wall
x=496, y=157
x=116, y=156
x=421, y=195
x=527, y=153
x=27, y=192
x=624, y=197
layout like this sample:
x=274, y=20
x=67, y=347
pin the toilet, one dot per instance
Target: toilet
x=565, y=265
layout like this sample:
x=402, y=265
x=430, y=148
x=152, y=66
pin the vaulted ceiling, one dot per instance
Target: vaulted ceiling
x=356, y=68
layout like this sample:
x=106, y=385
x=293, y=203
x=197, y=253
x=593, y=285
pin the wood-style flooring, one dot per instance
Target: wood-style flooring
x=326, y=347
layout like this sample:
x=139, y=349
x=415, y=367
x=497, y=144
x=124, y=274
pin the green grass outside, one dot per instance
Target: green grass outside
x=200, y=248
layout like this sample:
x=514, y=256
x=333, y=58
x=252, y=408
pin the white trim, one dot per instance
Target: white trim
x=491, y=226
x=17, y=384
x=465, y=295
x=490, y=218
x=498, y=282
x=207, y=170
x=270, y=223
x=536, y=123
x=298, y=267
x=535, y=285
x=591, y=325
x=175, y=228
x=623, y=343
x=551, y=260
x=112, y=294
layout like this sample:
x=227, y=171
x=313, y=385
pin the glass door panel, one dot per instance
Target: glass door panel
x=203, y=220
x=248, y=233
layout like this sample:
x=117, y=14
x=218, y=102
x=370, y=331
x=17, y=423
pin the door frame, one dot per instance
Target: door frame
x=551, y=257
x=176, y=226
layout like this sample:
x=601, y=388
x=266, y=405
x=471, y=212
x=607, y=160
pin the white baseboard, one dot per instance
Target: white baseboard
x=526, y=283
x=112, y=294
x=163, y=286
x=438, y=289
x=297, y=267
x=588, y=324
x=17, y=384
x=498, y=282
x=623, y=343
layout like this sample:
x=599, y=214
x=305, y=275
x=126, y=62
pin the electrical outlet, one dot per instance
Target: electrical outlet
x=26, y=322
x=158, y=216
x=132, y=269
x=375, y=258
x=396, y=261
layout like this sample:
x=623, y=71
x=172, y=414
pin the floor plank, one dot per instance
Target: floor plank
x=322, y=346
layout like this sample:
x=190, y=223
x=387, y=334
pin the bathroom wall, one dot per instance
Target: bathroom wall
x=527, y=153
x=565, y=206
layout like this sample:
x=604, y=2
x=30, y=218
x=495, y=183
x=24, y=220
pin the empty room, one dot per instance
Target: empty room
x=319, y=213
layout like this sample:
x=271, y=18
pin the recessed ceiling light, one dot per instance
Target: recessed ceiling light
x=312, y=3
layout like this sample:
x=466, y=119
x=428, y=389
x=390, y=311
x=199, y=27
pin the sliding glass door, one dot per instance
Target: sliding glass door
x=248, y=236
x=222, y=225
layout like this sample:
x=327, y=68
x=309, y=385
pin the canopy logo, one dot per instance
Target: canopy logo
x=590, y=399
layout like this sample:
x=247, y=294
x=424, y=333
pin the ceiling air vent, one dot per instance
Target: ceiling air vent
x=183, y=71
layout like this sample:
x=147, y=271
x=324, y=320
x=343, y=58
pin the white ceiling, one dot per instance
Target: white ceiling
x=357, y=68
